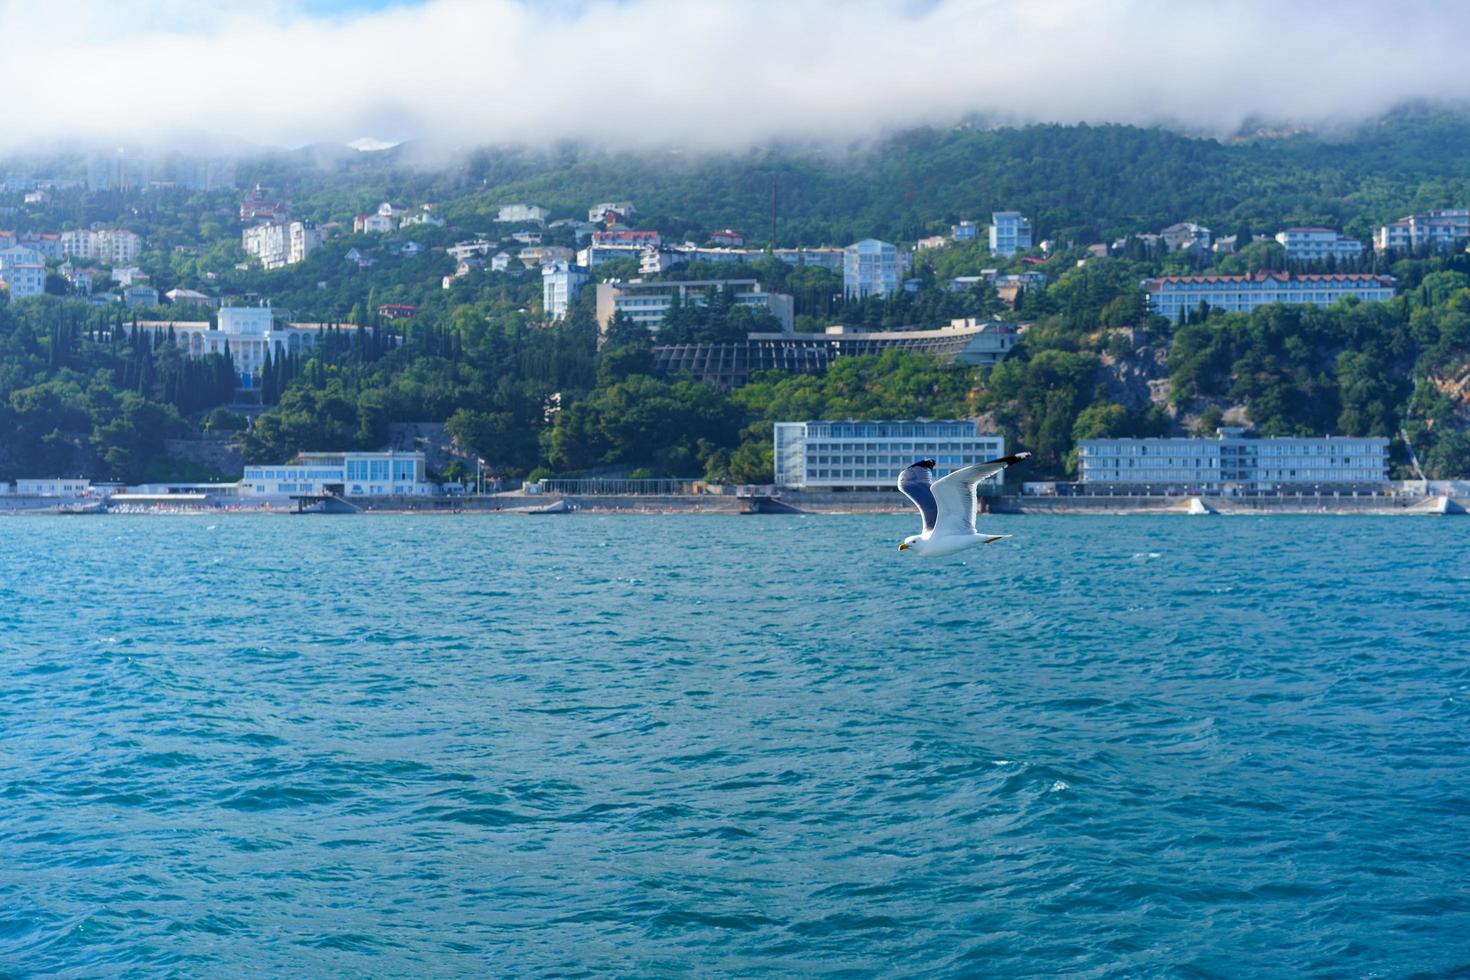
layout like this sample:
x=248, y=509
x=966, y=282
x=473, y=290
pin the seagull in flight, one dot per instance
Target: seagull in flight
x=948, y=505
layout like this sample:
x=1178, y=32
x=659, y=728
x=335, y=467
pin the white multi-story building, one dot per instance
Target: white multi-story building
x=113, y=246
x=347, y=474
x=1234, y=463
x=561, y=282
x=1009, y=233
x=1311, y=244
x=852, y=454
x=1437, y=229
x=1170, y=296
x=522, y=214
x=372, y=224
x=646, y=303
x=22, y=272
x=280, y=244
x=870, y=268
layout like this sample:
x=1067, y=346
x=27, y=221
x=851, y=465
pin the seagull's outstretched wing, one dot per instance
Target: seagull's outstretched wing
x=955, y=493
x=915, y=483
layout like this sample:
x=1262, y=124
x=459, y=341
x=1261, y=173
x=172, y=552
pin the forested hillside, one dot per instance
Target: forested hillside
x=82, y=390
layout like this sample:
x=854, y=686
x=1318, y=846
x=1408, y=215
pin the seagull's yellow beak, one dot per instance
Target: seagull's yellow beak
x=902, y=545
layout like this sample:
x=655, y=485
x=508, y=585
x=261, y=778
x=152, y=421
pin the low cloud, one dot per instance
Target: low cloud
x=713, y=74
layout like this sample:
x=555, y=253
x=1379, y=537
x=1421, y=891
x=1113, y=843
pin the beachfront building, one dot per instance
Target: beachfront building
x=646, y=303
x=870, y=268
x=1234, y=463
x=1312, y=244
x=561, y=283
x=1169, y=296
x=869, y=455
x=48, y=487
x=1437, y=229
x=730, y=365
x=346, y=474
x=1009, y=233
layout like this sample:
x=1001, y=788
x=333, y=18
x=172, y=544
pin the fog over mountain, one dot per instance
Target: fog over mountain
x=717, y=74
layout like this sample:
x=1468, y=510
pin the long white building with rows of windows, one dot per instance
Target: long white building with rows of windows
x=1234, y=463
x=1312, y=244
x=867, y=455
x=349, y=474
x=1170, y=296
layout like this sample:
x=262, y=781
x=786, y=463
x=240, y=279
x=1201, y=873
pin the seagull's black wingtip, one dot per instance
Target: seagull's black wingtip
x=928, y=464
x=1014, y=458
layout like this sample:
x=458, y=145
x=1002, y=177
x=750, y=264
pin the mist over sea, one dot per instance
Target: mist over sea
x=648, y=746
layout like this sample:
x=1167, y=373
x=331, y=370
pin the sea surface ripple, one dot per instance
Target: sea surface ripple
x=648, y=746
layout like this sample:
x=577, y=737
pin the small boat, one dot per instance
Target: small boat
x=555, y=507
x=83, y=507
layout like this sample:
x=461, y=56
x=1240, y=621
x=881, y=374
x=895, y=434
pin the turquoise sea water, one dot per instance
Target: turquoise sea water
x=646, y=746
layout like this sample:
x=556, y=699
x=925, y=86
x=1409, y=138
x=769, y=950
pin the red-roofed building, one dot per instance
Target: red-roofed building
x=396, y=311
x=258, y=206
x=638, y=238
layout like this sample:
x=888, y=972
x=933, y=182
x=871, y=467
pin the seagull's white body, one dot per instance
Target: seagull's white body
x=948, y=506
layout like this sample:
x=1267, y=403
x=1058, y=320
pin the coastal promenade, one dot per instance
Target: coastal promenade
x=790, y=502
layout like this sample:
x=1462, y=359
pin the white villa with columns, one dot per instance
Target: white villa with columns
x=247, y=332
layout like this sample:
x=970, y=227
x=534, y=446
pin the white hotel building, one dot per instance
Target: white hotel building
x=646, y=303
x=561, y=283
x=1439, y=229
x=1318, y=245
x=870, y=268
x=1234, y=463
x=1170, y=296
x=347, y=474
x=279, y=244
x=111, y=246
x=22, y=272
x=1010, y=233
x=860, y=455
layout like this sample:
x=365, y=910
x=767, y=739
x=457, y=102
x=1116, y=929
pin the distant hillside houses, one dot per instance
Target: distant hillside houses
x=598, y=213
x=522, y=214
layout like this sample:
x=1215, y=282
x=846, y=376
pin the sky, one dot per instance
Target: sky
x=703, y=74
